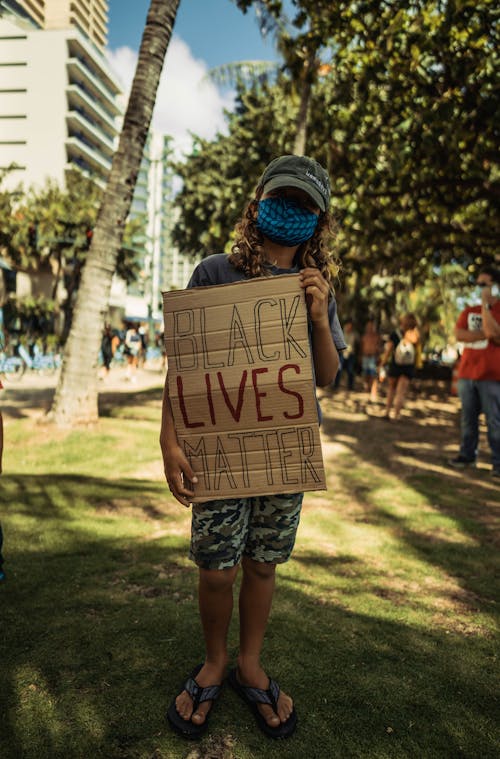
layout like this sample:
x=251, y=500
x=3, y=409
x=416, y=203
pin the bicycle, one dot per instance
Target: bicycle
x=44, y=363
x=12, y=368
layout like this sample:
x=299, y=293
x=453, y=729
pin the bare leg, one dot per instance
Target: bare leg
x=256, y=595
x=215, y=592
x=399, y=400
x=391, y=391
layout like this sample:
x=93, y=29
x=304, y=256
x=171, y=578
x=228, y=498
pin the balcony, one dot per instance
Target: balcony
x=86, y=170
x=97, y=66
x=80, y=98
x=87, y=157
x=77, y=123
x=79, y=74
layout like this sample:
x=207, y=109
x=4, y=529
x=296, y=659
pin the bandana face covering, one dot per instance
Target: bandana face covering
x=285, y=222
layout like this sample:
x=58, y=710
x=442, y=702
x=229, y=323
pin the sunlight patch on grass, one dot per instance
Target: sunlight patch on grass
x=389, y=591
x=39, y=716
x=126, y=443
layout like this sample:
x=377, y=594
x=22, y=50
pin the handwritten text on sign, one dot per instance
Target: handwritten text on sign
x=241, y=387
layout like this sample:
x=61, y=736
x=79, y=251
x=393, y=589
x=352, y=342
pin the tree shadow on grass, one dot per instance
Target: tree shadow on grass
x=100, y=628
x=415, y=454
x=20, y=403
x=111, y=403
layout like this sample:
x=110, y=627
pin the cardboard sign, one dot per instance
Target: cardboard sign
x=241, y=387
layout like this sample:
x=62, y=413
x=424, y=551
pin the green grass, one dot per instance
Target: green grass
x=383, y=627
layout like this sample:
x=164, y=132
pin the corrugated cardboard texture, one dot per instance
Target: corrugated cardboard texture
x=241, y=387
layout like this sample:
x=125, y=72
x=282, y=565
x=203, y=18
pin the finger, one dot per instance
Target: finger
x=181, y=494
x=182, y=500
x=315, y=280
x=180, y=485
x=188, y=473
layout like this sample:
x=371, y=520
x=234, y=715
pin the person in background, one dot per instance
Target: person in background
x=133, y=345
x=106, y=350
x=401, y=351
x=371, y=344
x=285, y=229
x=348, y=357
x=478, y=328
x=143, y=334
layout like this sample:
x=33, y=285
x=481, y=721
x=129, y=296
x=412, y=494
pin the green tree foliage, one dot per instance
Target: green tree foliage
x=63, y=220
x=49, y=229
x=403, y=111
x=410, y=132
x=220, y=175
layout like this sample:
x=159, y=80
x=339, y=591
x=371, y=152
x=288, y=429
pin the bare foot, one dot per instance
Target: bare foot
x=209, y=674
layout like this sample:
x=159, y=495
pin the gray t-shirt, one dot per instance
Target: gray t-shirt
x=217, y=269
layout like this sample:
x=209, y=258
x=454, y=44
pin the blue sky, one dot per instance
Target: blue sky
x=215, y=30
x=207, y=34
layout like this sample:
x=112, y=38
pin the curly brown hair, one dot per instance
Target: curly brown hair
x=248, y=255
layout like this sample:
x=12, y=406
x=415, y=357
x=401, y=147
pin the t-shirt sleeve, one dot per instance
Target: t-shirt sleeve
x=213, y=270
x=199, y=277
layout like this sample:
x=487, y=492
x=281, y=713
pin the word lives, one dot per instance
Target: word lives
x=241, y=387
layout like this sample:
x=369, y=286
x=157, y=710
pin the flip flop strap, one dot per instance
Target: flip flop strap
x=269, y=696
x=199, y=694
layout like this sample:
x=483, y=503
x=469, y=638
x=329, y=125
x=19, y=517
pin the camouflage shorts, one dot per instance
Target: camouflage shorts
x=263, y=528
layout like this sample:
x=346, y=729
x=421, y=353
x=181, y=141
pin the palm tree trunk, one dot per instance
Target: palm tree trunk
x=75, y=400
x=299, y=145
x=305, y=85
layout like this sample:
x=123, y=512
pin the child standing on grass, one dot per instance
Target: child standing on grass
x=285, y=229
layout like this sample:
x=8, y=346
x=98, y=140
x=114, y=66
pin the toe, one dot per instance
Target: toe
x=200, y=714
x=269, y=715
x=285, y=707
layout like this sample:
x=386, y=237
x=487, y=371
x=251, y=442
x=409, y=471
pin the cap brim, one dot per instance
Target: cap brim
x=286, y=180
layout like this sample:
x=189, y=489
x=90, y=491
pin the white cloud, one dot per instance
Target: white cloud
x=186, y=100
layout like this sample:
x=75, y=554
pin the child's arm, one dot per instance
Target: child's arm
x=386, y=353
x=178, y=471
x=325, y=355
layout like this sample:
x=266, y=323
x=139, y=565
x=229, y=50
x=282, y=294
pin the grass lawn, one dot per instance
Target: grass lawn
x=383, y=627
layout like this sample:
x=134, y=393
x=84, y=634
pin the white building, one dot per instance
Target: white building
x=90, y=16
x=162, y=266
x=60, y=104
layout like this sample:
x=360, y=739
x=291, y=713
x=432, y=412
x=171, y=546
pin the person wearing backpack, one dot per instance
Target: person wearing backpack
x=132, y=349
x=402, y=351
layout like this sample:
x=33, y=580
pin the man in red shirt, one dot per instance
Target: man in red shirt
x=478, y=327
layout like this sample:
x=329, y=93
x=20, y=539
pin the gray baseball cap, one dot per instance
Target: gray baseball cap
x=301, y=172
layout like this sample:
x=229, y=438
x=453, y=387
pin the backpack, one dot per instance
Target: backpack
x=404, y=353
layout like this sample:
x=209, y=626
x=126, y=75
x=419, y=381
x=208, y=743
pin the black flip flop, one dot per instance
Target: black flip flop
x=186, y=727
x=254, y=696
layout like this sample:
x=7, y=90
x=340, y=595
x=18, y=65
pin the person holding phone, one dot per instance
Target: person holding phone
x=478, y=328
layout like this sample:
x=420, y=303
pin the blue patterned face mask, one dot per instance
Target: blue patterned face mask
x=285, y=222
